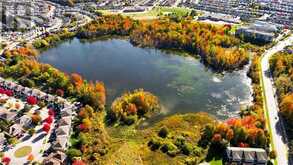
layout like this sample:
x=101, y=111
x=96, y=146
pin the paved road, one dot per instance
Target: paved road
x=278, y=133
x=28, y=37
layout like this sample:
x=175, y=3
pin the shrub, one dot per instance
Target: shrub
x=49, y=119
x=168, y=147
x=180, y=141
x=1, y=154
x=163, y=132
x=13, y=140
x=31, y=131
x=130, y=120
x=31, y=100
x=6, y=160
x=273, y=154
x=41, y=104
x=197, y=150
x=27, y=82
x=187, y=149
x=60, y=92
x=78, y=162
x=46, y=128
x=154, y=143
x=72, y=152
x=191, y=161
x=173, y=153
x=36, y=118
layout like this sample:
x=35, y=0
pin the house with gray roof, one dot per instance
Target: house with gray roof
x=63, y=130
x=61, y=143
x=7, y=115
x=238, y=155
x=2, y=141
x=65, y=121
x=16, y=130
x=24, y=121
x=55, y=158
x=66, y=112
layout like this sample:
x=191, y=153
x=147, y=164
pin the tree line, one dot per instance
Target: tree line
x=281, y=65
x=214, y=44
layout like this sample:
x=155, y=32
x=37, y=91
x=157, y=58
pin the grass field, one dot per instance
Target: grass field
x=23, y=151
x=153, y=13
x=159, y=11
x=129, y=144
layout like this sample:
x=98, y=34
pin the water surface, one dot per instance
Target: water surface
x=182, y=84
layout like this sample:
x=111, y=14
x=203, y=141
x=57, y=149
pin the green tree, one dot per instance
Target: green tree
x=72, y=153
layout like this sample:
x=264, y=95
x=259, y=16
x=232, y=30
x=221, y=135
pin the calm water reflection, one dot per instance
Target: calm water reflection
x=183, y=84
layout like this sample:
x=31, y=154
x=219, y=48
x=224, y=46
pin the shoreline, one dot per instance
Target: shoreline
x=242, y=72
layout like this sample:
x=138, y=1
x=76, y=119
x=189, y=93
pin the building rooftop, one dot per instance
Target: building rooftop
x=246, y=155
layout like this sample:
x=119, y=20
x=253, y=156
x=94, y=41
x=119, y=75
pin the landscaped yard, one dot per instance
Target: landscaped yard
x=23, y=151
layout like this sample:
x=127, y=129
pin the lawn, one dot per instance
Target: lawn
x=216, y=162
x=23, y=151
x=178, y=11
x=153, y=13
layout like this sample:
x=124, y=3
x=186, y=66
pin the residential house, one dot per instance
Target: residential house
x=63, y=131
x=50, y=98
x=56, y=158
x=24, y=121
x=65, y=121
x=237, y=155
x=2, y=141
x=66, y=112
x=7, y=115
x=61, y=143
x=27, y=91
x=16, y=130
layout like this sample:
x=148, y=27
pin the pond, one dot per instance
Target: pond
x=182, y=83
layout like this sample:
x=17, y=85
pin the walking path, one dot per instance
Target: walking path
x=278, y=133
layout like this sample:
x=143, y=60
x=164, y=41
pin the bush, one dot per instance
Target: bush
x=163, y=132
x=72, y=152
x=173, y=153
x=1, y=154
x=60, y=92
x=197, y=151
x=31, y=100
x=130, y=120
x=13, y=140
x=180, y=141
x=273, y=154
x=31, y=131
x=168, y=147
x=36, y=119
x=26, y=107
x=187, y=149
x=154, y=143
x=27, y=82
x=191, y=161
x=41, y=104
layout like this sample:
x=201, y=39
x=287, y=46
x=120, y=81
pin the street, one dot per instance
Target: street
x=57, y=23
x=279, y=138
